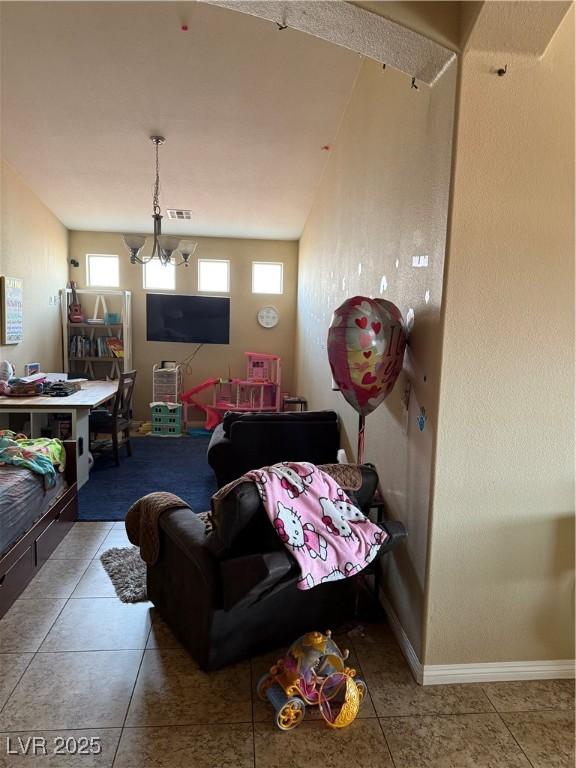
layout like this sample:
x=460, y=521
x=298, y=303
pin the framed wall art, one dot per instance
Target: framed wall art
x=11, y=300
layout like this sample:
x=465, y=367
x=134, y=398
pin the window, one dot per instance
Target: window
x=158, y=276
x=267, y=277
x=213, y=276
x=102, y=270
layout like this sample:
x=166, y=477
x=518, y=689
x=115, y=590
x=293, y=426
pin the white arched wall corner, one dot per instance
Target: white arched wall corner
x=358, y=30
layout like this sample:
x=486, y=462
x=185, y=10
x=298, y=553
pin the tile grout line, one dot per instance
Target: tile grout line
x=355, y=649
x=17, y=682
x=129, y=703
x=442, y=714
x=122, y=727
x=82, y=650
x=386, y=742
x=207, y=724
x=34, y=654
x=81, y=575
x=515, y=739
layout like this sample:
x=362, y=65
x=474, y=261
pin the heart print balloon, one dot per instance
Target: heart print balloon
x=366, y=343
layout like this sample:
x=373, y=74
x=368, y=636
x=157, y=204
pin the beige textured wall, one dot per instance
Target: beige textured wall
x=34, y=247
x=245, y=333
x=384, y=199
x=502, y=548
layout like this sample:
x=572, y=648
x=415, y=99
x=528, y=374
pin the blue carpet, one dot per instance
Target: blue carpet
x=177, y=465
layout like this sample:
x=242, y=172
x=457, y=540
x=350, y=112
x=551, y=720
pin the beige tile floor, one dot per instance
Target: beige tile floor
x=76, y=664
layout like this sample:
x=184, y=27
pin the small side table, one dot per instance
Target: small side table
x=295, y=400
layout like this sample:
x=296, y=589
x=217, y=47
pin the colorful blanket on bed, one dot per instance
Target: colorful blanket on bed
x=328, y=536
x=42, y=455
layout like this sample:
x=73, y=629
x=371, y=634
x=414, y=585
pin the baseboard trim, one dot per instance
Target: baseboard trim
x=435, y=674
x=492, y=672
x=402, y=638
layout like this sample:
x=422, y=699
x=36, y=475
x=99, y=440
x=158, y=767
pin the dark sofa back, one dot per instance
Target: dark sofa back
x=252, y=440
x=310, y=436
x=281, y=417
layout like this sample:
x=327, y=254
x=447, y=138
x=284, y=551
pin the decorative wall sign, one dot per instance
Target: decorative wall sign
x=11, y=289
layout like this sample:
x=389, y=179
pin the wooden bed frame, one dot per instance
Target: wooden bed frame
x=25, y=558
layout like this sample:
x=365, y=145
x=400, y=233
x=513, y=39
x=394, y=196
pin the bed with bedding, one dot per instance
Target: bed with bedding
x=37, y=508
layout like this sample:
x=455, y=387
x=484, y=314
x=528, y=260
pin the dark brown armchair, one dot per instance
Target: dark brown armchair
x=232, y=593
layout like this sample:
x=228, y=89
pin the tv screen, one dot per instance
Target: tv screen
x=188, y=319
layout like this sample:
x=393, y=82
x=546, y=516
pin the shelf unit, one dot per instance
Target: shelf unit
x=96, y=304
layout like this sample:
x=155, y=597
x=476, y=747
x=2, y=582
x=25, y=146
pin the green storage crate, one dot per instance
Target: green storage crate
x=166, y=419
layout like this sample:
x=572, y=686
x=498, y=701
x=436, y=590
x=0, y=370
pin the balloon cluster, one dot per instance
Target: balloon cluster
x=366, y=343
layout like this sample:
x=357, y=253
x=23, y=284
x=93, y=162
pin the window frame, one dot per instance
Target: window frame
x=212, y=290
x=269, y=263
x=157, y=288
x=89, y=283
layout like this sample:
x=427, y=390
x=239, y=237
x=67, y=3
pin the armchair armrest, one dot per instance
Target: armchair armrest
x=396, y=533
x=185, y=532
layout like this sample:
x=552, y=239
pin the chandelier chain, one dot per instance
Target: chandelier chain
x=156, y=196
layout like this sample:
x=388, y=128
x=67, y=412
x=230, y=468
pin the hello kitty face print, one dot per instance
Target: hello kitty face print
x=337, y=514
x=297, y=535
x=294, y=478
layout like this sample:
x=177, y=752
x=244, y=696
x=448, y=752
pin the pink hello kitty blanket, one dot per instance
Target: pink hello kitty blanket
x=329, y=537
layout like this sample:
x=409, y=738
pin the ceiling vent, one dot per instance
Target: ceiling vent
x=179, y=214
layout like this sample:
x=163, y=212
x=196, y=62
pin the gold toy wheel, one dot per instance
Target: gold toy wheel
x=291, y=714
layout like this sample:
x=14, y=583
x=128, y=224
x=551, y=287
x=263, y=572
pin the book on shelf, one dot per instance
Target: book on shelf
x=116, y=346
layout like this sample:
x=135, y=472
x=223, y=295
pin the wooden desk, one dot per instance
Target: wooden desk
x=77, y=406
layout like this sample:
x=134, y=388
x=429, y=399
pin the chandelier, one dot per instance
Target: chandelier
x=166, y=248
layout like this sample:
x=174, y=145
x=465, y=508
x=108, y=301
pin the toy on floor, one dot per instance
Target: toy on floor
x=259, y=391
x=313, y=672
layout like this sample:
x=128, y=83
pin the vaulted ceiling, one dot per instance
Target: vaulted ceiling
x=245, y=109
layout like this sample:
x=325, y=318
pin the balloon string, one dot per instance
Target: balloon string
x=361, y=423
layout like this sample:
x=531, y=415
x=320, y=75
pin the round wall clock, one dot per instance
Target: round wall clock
x=268, y=317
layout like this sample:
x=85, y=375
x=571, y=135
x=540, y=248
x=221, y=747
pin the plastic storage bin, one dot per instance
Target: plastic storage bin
x=166, y=419
x=166, y=384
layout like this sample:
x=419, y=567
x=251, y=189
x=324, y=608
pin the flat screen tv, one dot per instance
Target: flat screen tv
x=188, y=319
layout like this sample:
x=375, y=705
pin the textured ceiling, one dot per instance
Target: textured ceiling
x=245, y=110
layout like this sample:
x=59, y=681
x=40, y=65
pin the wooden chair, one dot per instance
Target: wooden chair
x=106, y=422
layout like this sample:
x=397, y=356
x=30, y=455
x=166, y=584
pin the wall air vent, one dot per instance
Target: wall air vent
x=179, y=214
